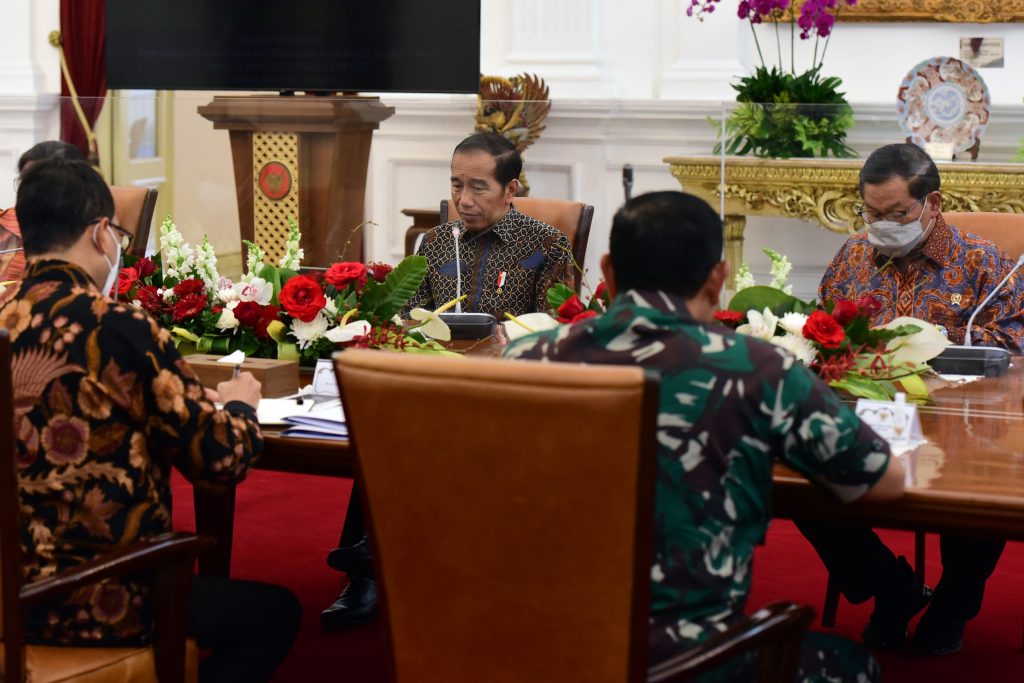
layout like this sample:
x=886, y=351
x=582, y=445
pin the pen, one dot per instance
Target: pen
x=237, y=371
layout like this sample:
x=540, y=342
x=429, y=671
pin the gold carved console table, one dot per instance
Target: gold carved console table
x=825, y=191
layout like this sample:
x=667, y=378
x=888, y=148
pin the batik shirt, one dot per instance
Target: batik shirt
x=104, y=407
x=728, y=406
x=941, y=283
x=12, y=265
x=506, y=268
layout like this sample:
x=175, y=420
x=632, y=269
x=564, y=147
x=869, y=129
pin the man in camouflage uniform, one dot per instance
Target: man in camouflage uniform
x=729, y=406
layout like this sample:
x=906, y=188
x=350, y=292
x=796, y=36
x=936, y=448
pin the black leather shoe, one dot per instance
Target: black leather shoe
x=353, y=559
x=356, y=605
x=887, y=628
x=938, y=635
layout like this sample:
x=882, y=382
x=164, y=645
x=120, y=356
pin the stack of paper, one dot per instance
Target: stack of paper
x=324, y=420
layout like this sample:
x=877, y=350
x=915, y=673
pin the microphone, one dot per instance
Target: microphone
x=9, y=251
x=458, y=269
x=991, y=295
x=627, y=181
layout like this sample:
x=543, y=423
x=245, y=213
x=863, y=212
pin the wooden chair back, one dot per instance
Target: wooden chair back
x=133, y=211
x=573, y=219
x=513, y=534
x=1005, y=230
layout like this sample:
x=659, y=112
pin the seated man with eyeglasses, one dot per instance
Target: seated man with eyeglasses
x=915, y=264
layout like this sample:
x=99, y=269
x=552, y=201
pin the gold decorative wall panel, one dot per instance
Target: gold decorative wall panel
x=275, y=172
x=957, y=11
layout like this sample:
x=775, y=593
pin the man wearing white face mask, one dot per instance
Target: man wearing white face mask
x=106, y=407
x=915, y=264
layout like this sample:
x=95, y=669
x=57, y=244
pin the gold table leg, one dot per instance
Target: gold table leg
x=734, y=226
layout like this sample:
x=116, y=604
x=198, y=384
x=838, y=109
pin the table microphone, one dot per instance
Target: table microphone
x=458, y=269
x=8, y=251
x=991, y=295
x=627, y=180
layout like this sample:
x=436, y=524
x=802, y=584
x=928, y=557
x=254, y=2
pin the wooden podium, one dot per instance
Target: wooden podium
x=303, y=158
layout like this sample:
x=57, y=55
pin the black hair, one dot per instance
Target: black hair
x=49, y=149
x=667, y=241
x=57, y=200
x=901, y=160
x=507, y=162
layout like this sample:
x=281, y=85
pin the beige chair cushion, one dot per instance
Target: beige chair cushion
x=1006, y=230
x=98, y=664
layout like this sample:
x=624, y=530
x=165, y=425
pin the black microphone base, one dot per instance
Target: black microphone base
x=987, y=361
x=470, y=325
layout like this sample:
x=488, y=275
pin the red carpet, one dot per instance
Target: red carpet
x=285, y=524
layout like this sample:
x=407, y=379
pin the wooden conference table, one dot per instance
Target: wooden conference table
x=968, y=478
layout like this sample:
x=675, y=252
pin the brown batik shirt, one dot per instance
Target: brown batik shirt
x=506, y=268
x=104, y=407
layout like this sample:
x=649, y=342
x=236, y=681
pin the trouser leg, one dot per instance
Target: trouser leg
x=966, y=565
x=248, y=626
x=857, y=559
x=354, y=529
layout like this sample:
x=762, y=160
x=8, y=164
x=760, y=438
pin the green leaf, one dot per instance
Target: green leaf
x=862, y=387
x=272, y=275
x=760, y=297
x=383, y=302
x=558, y=294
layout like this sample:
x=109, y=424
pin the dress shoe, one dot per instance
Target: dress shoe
x=356, y=605
x=887, y=628
x=938, y=635
x=352, y=559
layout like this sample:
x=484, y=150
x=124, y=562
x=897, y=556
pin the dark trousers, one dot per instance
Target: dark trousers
x=354, y=528
x=864, y=567
x=248, y=626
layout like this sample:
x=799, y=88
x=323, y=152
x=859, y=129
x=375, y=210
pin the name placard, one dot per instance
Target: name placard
x=324, y=380
x=895, y=421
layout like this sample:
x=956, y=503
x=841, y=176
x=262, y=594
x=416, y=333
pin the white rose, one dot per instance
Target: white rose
x=227, y=320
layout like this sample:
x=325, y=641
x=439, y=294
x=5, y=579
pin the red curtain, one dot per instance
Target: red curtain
x=83, y=25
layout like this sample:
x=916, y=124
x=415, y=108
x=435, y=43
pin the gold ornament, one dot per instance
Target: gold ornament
x=514, y=108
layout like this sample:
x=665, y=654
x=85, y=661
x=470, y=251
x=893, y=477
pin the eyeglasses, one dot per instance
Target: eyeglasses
x=126, y=237
x=870, y=216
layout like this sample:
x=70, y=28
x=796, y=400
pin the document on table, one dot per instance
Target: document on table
x=274, y=411
x=325, y=420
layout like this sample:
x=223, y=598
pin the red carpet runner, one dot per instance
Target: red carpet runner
x=285, y=524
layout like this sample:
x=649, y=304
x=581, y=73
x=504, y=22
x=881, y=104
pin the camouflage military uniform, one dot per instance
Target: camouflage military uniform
x=728, y=405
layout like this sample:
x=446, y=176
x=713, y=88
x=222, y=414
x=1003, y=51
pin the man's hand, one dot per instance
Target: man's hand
x=243, y=388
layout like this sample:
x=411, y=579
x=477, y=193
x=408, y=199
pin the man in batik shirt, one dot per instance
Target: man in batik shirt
x=506, y=260
x=915, y=264
x=730, y=406
x=104, y=407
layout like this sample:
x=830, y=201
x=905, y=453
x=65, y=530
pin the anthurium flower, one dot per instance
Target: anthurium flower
x=760, y=325
x=346, y=333
x=915, y=348
x=430, y=322
x=521, y=325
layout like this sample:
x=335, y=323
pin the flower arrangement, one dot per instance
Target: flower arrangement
x=274, y=311
x=781, y=113
x=838, y=342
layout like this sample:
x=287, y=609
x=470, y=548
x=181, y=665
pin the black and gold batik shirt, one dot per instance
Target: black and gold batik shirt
x=506, y=268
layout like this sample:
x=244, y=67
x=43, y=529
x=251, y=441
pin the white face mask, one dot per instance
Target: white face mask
x=115, y=266
x=898, y=239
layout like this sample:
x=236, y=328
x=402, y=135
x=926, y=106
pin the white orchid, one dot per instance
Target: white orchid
x=348, y=332
x=760, y=325
x=793, y=323
x=797, y=345
x=307, y=333
x=915, y=348
x=258, y=290
x=227, y=320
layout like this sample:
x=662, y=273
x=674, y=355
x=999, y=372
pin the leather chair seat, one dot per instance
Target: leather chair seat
x=46, y=664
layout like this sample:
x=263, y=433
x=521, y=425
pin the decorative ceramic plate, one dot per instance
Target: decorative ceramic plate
x=944, y=100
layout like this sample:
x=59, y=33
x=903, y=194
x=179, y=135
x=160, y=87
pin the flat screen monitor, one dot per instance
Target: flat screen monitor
x=285, y=45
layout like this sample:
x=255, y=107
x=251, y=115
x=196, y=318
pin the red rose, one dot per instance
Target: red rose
x=824, y=329
x=186, y=287
x=583, y=316
x=571, y=308
x=268, y=314
x=302, y=298
x=380, y=271
x=845, y=311
x=189, y=307
x=145, y=267
x=151, y=302
x=869, y=306
x=730, y=318
x=247, y=313
x=343, y=274
x=126, y=279
x=602, y=292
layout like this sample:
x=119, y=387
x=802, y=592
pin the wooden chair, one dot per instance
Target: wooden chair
x=493, y=478
x=1006, y=231
x=573, y=219
x=133, y=211
x=170, y=557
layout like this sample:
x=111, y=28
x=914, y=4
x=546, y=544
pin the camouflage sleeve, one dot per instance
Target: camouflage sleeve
x=557, y=267
x=821, y=437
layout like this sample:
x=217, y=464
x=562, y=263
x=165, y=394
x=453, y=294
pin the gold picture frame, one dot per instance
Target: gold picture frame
x=956, y=11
